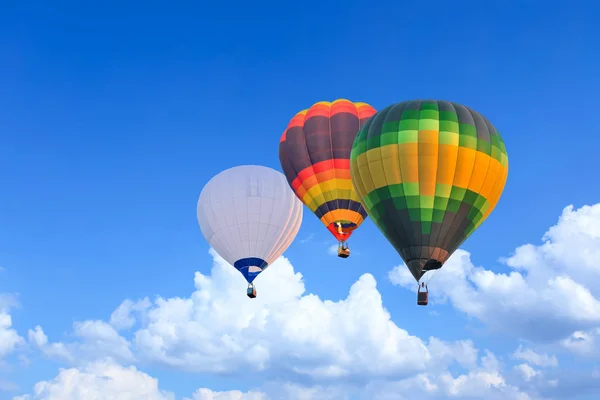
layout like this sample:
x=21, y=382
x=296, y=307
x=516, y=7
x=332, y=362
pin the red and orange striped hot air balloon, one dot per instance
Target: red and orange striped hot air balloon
x=314, y=152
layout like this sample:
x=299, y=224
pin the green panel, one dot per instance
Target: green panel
x=408, y=124
x=360, y=146
x=470, y=197
x=373, y=142
x=468, y=130
x=390, y=126
x=373, y=196
x=388, y=138
x=453, y=205
x=449, y=138
x=374, y=212
x=443, y=190
x=383, y=193
x=496, y=154
x=428, y=105
x=415, y=214
x=440, y=203
x=495, y=141
x=438, y=216
x=429, y=125
x=400, y=203
x=411, y=188
x=413, y=201
x=396, y=190
x=449, y=116
x=410, y=114
x=425, y=227
x=408, y=136
x=427, y=201
x=484, y=146
x=367, y=202
x=467, y=141
x=473, y=214
x=457, y=193
x=429, y=114
x=426, y=214
x=479, y=202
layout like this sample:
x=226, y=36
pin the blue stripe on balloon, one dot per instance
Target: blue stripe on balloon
x=243, y=265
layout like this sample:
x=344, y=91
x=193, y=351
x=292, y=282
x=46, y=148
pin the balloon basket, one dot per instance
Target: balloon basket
x=251, y=292
x=422, y=297
x=343, y=253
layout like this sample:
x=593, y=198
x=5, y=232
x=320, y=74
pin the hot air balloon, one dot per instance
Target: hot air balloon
x=429, y=173
x=314, y=152
x=249, y=216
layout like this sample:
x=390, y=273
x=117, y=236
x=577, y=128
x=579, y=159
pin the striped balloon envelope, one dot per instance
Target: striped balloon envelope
x=314, y=152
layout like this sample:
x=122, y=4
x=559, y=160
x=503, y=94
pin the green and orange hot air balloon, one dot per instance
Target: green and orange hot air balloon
x=314, y=152
x=429, y=173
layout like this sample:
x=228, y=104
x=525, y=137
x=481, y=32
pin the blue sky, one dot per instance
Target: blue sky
x=113, y=117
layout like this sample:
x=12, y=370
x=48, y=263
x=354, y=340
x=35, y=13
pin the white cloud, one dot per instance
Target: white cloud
x=335, y=348
x=526, y=371
x=99, y=380
x=537, y=359
x=96, y=339
x=207, y=394
x=551, y=292
x=219, y=329
x=584, y=343
x=9, y=338
x=122, y=317
x=105, y=379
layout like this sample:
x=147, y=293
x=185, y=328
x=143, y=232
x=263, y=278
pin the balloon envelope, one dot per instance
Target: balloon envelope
x=429, y=173
x=314, y=152
x=249, y=216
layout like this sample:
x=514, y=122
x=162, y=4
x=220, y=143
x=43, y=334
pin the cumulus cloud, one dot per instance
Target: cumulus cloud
x=332, y=347
x=99, y=380
x=105, y=379
x=584, y=343
x=534, y=358
x=123, y=316
x=10, y=340
x=218, y=329
x=96, y=339
x=207, y=394
x=552, y=291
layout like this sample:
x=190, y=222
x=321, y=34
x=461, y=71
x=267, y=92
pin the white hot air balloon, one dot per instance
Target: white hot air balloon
x=249, y=216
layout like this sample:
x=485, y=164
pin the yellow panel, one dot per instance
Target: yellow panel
x=377, y=173
x=408, y=153
x=447, y=156
x=488, y=184
x=499, y=186
x=363, y=167
x=464, y=167
x=482, y=163
x=309, y=202
x=497, y=189
x=359, y=188
x=389, y=160
x=317, y=195
x=328, y=189
x=428, y=161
